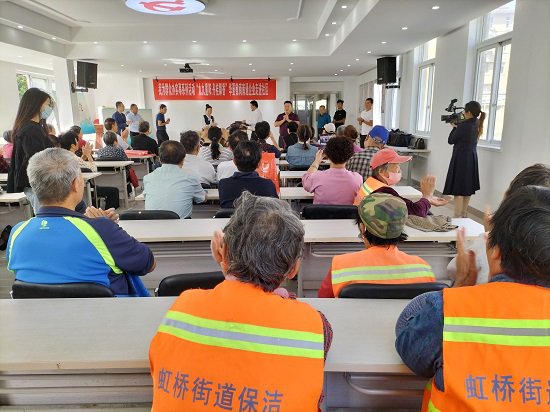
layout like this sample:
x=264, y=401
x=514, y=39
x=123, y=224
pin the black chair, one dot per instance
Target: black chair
x=24, y=290
x=389, y=291
x=148, y=215
x=175, y=284
x=224, y=213
x=316, y=212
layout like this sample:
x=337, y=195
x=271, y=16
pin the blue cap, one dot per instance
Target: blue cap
x=380, y=134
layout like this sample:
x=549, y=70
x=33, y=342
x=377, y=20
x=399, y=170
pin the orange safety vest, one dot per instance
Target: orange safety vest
x=378, y=265
x=236, y=347
x=496, y=349
x=370, y=185
x=268, y=169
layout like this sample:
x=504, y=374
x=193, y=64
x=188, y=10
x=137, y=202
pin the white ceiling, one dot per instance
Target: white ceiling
x=122, y=40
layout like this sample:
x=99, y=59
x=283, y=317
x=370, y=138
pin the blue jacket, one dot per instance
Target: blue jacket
x=63, y=246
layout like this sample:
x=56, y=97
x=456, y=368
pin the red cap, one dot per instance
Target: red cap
x=387, y=156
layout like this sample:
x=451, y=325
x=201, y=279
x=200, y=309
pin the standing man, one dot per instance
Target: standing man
x=283, y=119
x=322, y=119
x=134, y=119
x=365, y=121
x=162, y=136
x=120, y=117
x=255, y=116
x=339, y=117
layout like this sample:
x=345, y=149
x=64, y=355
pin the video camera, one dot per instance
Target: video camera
x=455, y=117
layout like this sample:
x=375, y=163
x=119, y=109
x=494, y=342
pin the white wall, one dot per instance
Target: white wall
x=187, y=114
x=112, y=87
x=10, y=95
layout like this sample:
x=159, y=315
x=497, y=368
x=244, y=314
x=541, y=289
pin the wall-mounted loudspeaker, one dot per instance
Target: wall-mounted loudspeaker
x=386, y=70
x=86, y=75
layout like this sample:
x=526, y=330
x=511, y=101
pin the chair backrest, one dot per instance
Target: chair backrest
x=148, y=215
x=224, y=213
x=316, y=212
x=24, y=290
x=175, y=284
x=387, y=291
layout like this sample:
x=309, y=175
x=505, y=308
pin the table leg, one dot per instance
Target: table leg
x=26, y=207
x=89, y=193
x=409, y=172
x=125, y=188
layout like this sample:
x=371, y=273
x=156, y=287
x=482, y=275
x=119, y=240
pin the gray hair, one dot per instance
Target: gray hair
x=51, y=174
x=382, y=168
x=109, y=138
x=264, y=239
x=340, y=131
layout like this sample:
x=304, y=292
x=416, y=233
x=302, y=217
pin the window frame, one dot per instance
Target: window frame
x=430, y=65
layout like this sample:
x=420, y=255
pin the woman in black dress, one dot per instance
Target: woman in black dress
x=463, y=175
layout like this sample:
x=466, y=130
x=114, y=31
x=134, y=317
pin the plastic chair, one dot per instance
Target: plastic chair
x=389, y=291
x=175, y=284
x=224, y=213
x=148, y=215
x=25, y=290
x=316, y=212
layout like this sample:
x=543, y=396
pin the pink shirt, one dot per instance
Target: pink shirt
x=333, y=186
x=7, y=150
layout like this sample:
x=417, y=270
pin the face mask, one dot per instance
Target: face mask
x=44, y=114
x=393, y=178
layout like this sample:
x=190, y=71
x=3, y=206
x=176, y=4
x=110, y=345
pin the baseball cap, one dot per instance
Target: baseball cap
x=383, y=215
x=380, y=134
x=330, y=128
x=387, y=155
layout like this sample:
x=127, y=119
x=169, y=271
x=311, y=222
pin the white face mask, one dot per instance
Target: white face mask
x=393, y=178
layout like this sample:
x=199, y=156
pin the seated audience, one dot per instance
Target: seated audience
x=52, y=135
x=7, y=149
x=171, y=188
x=111, y=150
x=246, y=156
x=302, y=154
x=329, y=131
x=75, y=247
x=271, y=344
x=351, y=133
x=263, y=132
x=215, y=153
x=78, y=131
x=69, y=141
x=360, y=162
x=193, y=163
x=110, y=125
x=381, y=223
x=470, y=339
x=291, y=138
x=335, y=186
x=142, y=141
x=386, y=172
x=227, y=168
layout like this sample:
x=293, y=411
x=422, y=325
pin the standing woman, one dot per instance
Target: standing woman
x=207, y=118
x=30, y=136
x=463, y=175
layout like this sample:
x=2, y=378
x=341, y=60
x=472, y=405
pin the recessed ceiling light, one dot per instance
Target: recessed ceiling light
x=289, y=70
x=349, y=65
x=165, y=64
x=383, y=42
x=141, y=71
x=369, y=52
x=294, y=40
x=327, y=34
x=96, y=42
x=244, y=41
x=19, y=27
x=54, y=38
x=436, y=7
x=207, y=64
x=144, y=41
x=344, y=6
x=121, y=65
x=333, y=22
x=291, y=62
x=341, y=70
x=20, y=57
x=253, y=70
x=356, y=60
x=336, y=74
x=215, y=70
x=404, y=28
x=250, y=64
x=193, y=41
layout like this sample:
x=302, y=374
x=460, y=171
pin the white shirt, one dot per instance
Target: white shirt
x=205, y=170
x=255, y=117
x=133, y=121
x=211, y=118
x=226, y=169
x=367, y=116
x=121, y=142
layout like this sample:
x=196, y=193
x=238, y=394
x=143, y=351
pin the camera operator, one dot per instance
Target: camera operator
x=463, y=175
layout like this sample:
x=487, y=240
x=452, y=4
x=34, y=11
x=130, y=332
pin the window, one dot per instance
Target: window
x=428, y=50
x=23, y=82
x=493, y=63
x=426, y=71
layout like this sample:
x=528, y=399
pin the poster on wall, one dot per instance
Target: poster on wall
x=219, y=89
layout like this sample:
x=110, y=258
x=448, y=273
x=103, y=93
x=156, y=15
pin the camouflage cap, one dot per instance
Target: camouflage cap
x=383, y=215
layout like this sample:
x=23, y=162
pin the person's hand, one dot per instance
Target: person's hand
x=87, y=151
x=319, y=156
x=285, y=118
x=466, y=267
x=167, y=121
x=125, y=134
x=437, y=201
x=427, y=186
x=93, y=213
x=360, y=119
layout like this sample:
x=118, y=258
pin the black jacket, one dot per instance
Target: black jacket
x=144, y=142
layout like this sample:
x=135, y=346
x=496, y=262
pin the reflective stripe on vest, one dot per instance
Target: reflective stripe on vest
x=243, y=336
x=509, y=332
x=432, y=408
x=381, y=273
x=93, y=237
x=14, y=236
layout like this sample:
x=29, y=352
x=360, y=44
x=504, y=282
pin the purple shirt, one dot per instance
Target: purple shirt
x=283, y=129
x=333, y=186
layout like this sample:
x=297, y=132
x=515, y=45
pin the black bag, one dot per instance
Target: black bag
x=417, y=143
x=399, y=139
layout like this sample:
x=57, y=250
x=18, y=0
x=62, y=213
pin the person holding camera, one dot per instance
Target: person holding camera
x=463, y=175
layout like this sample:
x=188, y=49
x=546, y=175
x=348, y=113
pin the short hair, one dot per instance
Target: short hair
x=369, y=99
x=254, y=103
x=190, y=140
x=304, y=134
x=340, y=101
x=118, y=104
x=143, y=127
x=67, y=139
x=253, y=237
x=75, y=129
x=521, y=228
x=341, y=130
x=52, y=173
x=323, y=106
x=378, y=170
x=339, y=149
x=537, y=175
x=351, y=132
x=7, y=136
x=288, y=101
x=133, y=105
x=162, y=106
x=171, y=152
x=247, y=156
x=236, y=137
x=262, y=130
x=109, y=138
x=108, y=123
x=233, y=127
x=292, y=127
x=51, y=128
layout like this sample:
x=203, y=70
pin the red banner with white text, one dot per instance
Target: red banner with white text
x=241, y=89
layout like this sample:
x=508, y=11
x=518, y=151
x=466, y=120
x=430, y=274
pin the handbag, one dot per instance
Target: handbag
x=399, y=138
x=133, y=177
x=417, y=143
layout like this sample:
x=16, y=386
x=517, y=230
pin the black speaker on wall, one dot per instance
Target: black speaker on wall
x=386, y=70
x=86, y=75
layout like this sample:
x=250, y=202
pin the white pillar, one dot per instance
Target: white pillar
x=67, y=103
